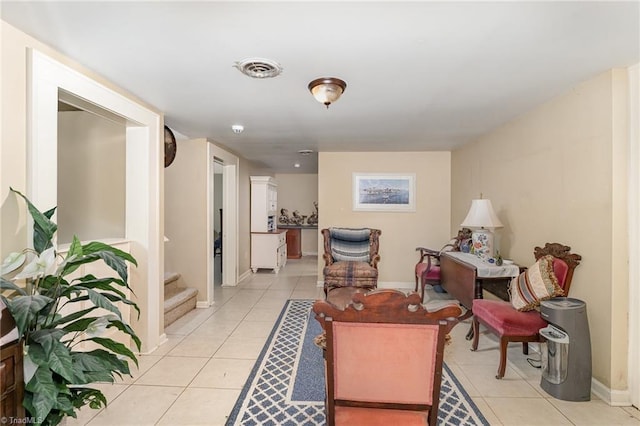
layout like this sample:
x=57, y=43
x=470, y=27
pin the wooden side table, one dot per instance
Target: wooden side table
x=465, y=276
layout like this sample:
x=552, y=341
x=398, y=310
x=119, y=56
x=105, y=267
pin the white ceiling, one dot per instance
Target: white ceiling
x=420, y=75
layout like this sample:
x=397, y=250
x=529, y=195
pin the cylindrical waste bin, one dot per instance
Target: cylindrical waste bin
x=566, y=359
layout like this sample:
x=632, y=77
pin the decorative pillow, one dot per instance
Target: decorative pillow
x=350, y=244
x=534, y=285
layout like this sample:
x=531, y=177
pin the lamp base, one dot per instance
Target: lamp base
x=482, y=242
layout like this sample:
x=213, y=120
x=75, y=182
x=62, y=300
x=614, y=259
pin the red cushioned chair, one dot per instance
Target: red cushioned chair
x=384, y=355
x=427, y=270
x=511, y=325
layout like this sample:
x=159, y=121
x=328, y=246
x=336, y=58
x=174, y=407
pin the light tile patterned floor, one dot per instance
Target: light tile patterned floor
x=196, y=377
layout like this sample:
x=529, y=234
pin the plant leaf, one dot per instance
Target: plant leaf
x=96, y=246
x=57, y=358
x=98, y=299
x=125, y=328
x=89, y=281
x=79, y=325
x=73, y=316
x=44, y=392
x=12, y=262
x=47, y=337
x=43, y=228
x=115, y=263
x=8, y=285
x=94, y=397
x=25, y=308
x=114, y=346
x=97, y=365
x=75, y=251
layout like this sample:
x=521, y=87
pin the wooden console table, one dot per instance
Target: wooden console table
x=294, y=239
x=464, y=276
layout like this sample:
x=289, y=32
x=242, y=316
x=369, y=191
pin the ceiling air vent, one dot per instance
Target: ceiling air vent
x=259, y=67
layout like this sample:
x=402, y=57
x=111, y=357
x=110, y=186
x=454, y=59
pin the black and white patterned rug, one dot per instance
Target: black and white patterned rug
x=286, y=385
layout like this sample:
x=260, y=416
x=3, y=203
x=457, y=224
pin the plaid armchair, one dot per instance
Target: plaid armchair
x=351, y=258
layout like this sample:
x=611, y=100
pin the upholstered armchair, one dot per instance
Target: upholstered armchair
x=553, y=269
x=351, y=258
x=384, y=355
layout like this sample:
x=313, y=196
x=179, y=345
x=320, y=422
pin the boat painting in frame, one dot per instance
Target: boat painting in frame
x=384, y=192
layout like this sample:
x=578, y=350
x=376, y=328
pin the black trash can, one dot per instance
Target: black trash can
x=566, y=359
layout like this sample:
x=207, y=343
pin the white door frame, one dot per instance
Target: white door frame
x=144, y=225
x=634, y=236
x=229, y=219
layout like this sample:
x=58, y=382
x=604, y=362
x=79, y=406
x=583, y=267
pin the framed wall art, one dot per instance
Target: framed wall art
x=384, y=192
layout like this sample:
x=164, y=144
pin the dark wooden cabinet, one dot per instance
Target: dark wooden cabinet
x=11, y=376
x=294, y=243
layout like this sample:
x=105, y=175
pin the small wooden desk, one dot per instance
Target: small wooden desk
x=465, y=275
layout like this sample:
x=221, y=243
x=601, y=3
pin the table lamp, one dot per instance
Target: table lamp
x=480, y=217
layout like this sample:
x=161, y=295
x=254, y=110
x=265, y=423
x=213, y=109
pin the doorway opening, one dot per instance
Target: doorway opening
x=218, y=222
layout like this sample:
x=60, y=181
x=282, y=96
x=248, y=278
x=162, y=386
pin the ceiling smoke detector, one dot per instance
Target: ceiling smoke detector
x=259, y=67
x=305, y=152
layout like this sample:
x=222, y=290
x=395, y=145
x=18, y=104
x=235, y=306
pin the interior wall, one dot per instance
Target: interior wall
x=94, y=148
x=428, y=226
x=186, y=198
x=558, y=174
x=299, y=192
x=246, y=170
x=17, y=51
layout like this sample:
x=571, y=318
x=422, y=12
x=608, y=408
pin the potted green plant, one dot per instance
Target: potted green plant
x=36, y=285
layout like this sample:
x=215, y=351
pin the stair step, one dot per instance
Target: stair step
x=177, y=302
x=171, y=281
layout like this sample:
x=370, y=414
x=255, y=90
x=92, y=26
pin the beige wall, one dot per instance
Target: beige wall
x=299, y=192
x=185, y=196
x=558, y=174
x=402, y=232
x=94, y=148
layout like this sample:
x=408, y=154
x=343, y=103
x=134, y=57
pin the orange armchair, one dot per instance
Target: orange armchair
x=511, y=325
x=384, y=355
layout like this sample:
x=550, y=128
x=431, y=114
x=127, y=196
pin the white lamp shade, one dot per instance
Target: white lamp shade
x=481, y=215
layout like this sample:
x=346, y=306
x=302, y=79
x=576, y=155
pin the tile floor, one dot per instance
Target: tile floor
x=196, y=377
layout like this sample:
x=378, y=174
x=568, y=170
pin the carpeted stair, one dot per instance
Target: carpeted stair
x=178, y=300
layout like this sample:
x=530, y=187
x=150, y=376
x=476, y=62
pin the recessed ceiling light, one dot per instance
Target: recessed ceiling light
x=297, y=165
x=237, y=128
x=305, y=151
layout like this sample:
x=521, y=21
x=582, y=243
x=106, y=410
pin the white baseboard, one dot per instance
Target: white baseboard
x=203, y=304
x=615, y=398
x=404, y=285
x=244, y=276
x=309, y=253
x=161, y=340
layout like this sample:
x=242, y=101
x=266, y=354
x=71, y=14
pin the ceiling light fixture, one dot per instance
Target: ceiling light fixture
x=327, y=89
x=237, y=128
x=305, y=152
x=296, y=165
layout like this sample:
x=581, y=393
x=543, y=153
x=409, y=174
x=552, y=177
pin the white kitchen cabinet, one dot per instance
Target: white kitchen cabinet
x=269, y=250
x=268, y=244
x=264, y=203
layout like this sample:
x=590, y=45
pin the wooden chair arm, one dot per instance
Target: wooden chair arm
x=374, y=261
